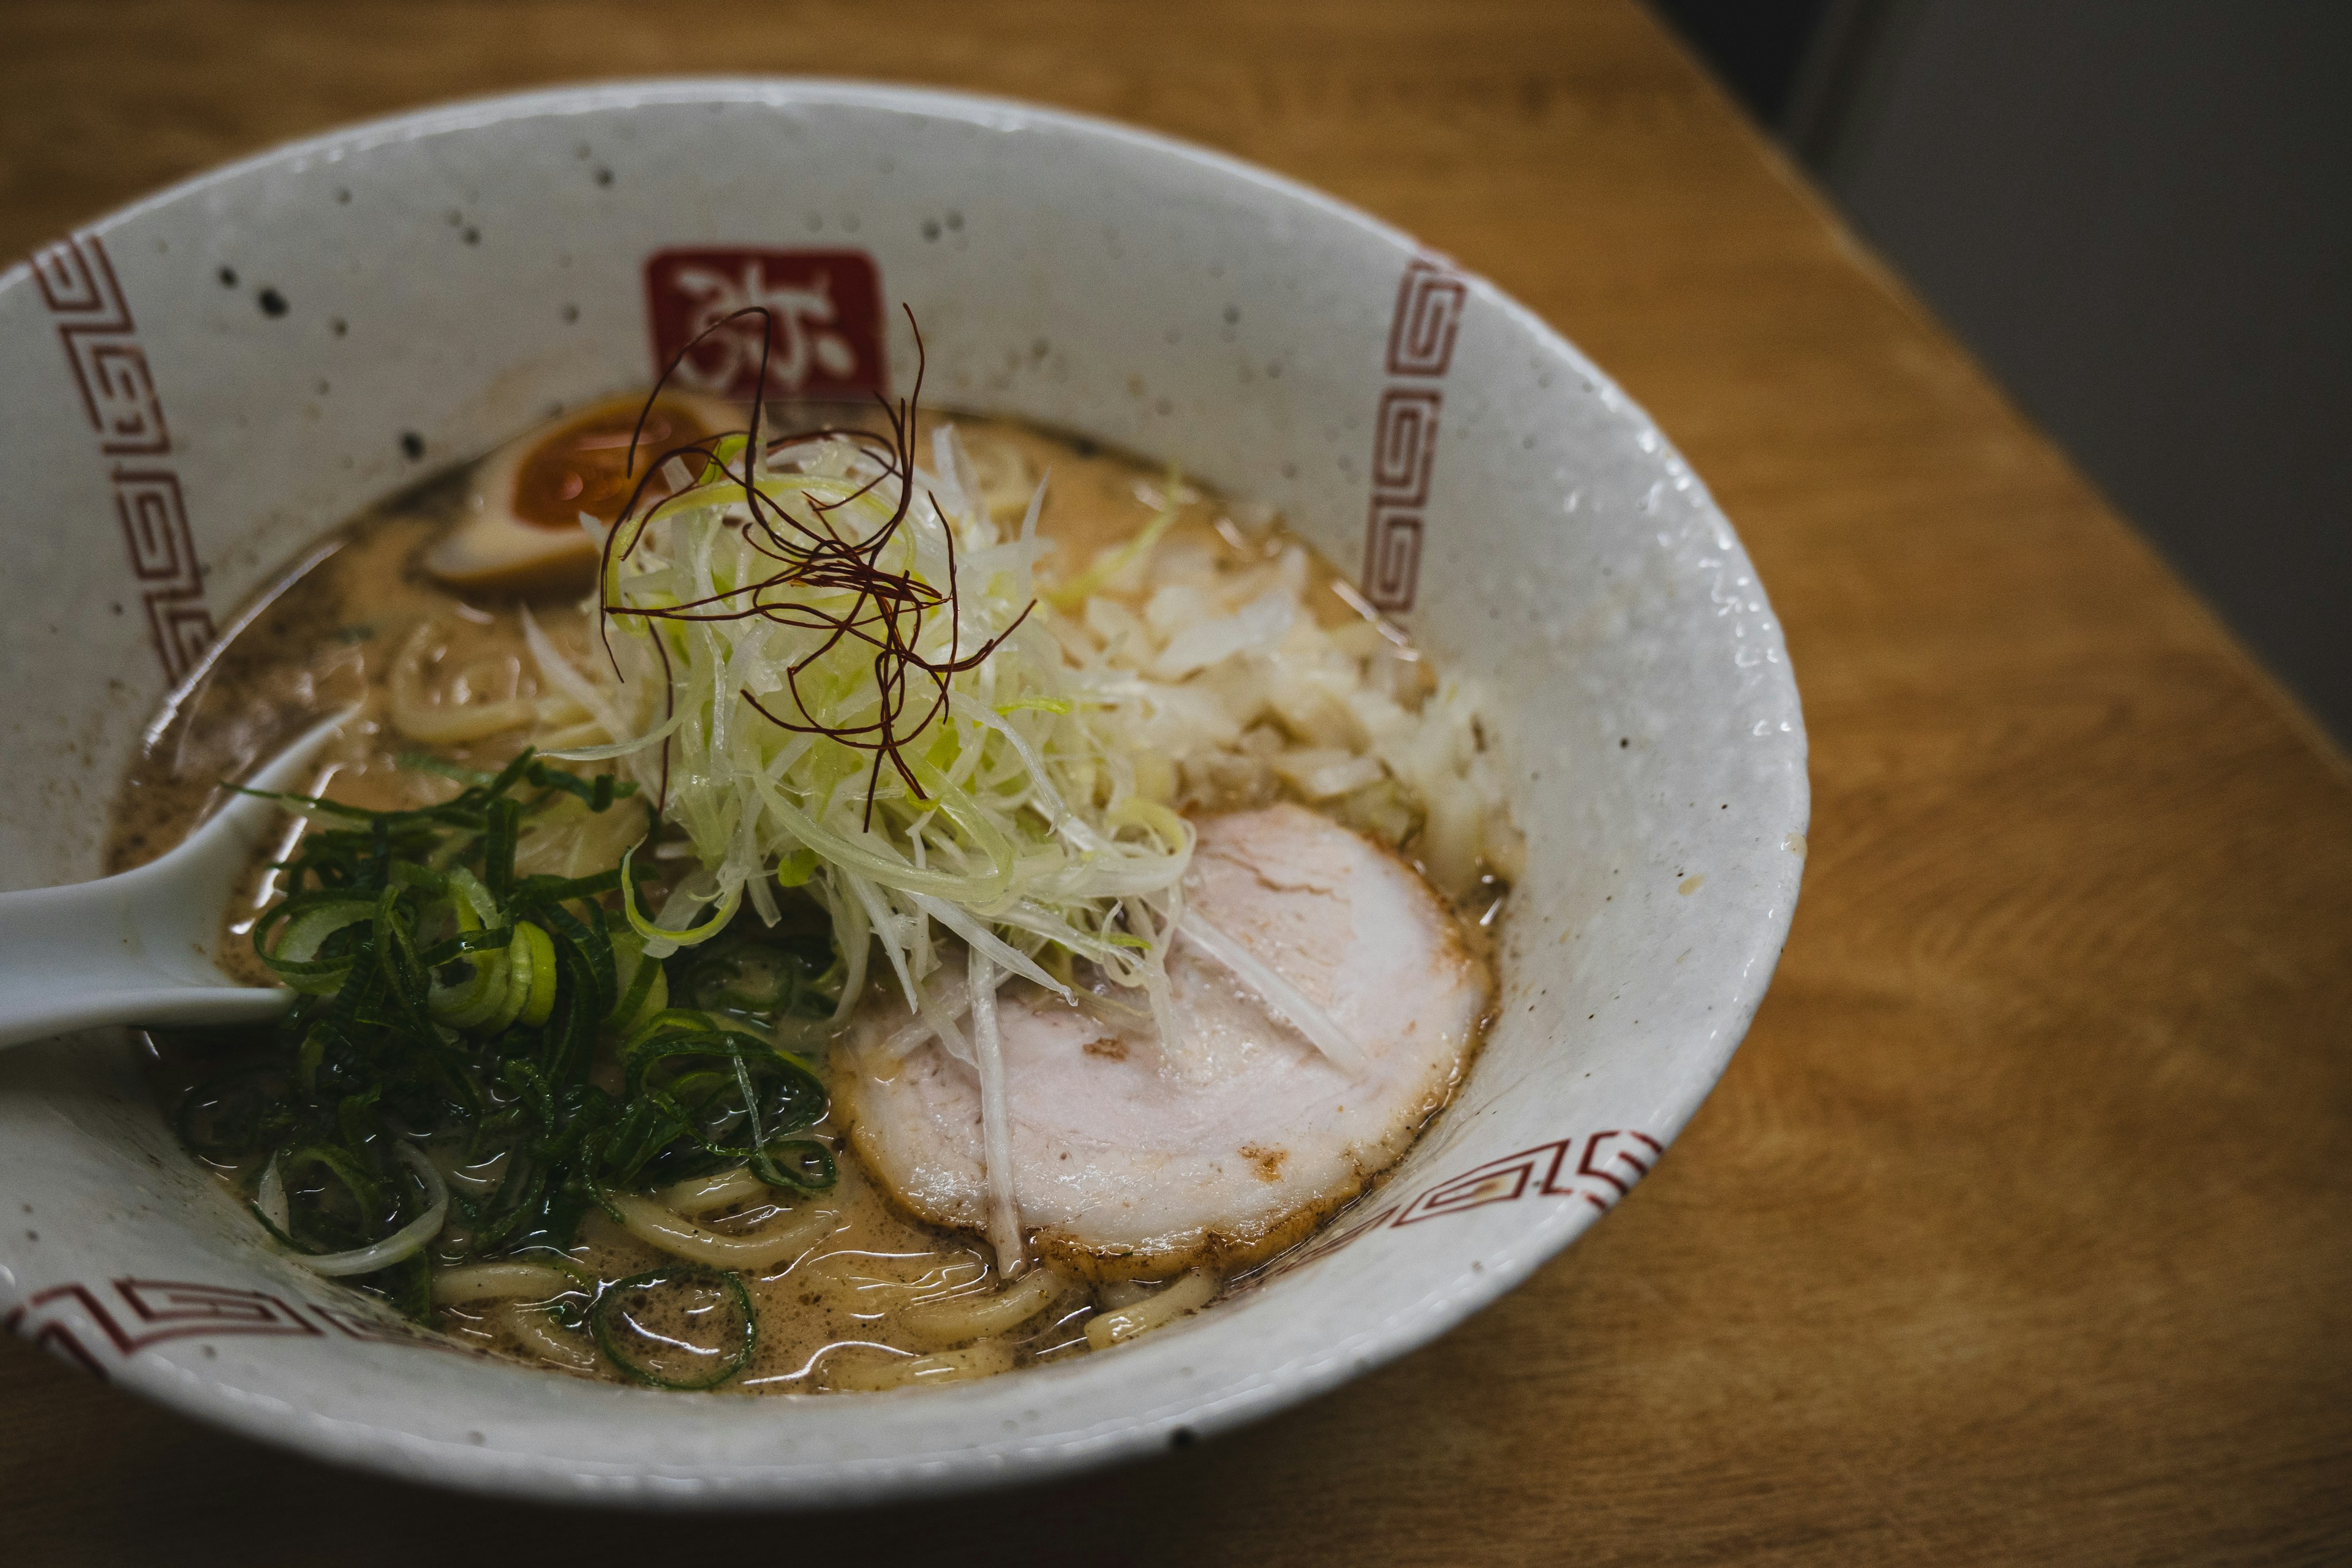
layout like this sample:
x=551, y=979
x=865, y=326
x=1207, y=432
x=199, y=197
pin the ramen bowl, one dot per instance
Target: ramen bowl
x=200, y=386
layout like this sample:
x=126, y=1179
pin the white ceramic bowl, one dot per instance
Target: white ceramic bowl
x=198, y=385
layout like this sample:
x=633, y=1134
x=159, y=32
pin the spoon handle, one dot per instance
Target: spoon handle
x=138, y=948
x=117, y=951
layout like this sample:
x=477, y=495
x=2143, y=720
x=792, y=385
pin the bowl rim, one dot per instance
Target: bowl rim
x=966, y=1467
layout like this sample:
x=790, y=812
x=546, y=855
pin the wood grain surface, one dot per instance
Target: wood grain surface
x=2021, y=1229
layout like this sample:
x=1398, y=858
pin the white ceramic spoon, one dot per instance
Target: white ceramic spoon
x=139, y=948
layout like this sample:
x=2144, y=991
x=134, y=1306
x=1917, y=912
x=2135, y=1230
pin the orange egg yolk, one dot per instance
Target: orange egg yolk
x=584, y=465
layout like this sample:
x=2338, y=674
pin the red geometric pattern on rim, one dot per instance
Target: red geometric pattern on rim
x=1393, y=555
x=1611, y=1162
x=1607, y=1171
x=1422, y=328
x=1404, y=445
x=151, y=1311
x=115, y=380
x=144, y=1313
x=175, y=1309
x=57, y=1339
x=1428, y=316
x=119, y=397
x=77, y=284
x=1502, y=1181
x=155, y=519
x=1624, y=1158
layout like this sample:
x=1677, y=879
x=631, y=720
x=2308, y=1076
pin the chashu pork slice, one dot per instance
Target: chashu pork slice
x=1128, y=1165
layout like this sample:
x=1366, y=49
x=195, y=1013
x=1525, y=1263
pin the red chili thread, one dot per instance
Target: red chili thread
x=888, y=610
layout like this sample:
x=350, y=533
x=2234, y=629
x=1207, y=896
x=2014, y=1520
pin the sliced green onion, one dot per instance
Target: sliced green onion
x=541, y=999
x=628, y=1321
x=293, y=956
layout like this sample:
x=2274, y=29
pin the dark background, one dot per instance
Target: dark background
x=2138, y=213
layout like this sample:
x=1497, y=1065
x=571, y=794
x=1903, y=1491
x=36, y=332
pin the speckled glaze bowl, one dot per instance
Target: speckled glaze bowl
x=194, y=388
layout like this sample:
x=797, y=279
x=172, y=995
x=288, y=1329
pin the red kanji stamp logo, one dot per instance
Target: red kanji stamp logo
x=825, y=333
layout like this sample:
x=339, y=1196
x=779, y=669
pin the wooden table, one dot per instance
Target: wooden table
x=2021, y=1229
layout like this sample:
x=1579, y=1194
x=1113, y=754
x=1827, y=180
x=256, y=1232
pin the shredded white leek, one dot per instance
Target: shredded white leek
x=1023, y=830
x=1278, y=995
x=995, y=1121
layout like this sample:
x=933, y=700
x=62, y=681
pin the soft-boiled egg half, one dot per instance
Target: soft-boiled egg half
x=520, y=529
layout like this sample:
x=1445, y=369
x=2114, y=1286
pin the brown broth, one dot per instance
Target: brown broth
x=325, y=636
